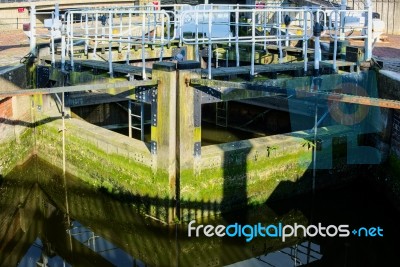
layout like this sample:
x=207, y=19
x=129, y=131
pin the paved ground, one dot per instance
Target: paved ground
x=387, y=51
x=14, y=45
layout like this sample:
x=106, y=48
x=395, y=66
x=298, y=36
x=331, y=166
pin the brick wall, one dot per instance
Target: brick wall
x=5, y=112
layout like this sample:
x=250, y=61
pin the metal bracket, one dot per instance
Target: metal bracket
x=153, y=102
x=197, y=108
x=153, y=147
x=197, y=149
x=207, y=95
x=144, y=94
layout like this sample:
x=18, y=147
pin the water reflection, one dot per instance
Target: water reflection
x=38, y=255
x=103, y=247
x=100, y=230
x=297, y=255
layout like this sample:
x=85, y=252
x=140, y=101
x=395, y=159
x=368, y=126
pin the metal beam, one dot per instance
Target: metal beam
x=112, y=88
x=237, y=91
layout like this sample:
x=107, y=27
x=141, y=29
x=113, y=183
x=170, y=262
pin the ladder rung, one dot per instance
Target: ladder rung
x=136, y=128
x=136, y=116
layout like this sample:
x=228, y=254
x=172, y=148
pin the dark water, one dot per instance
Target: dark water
x=41, y=220
x=210, y=134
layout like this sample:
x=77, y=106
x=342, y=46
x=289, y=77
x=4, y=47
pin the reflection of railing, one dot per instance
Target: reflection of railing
x=297, y=255
x=103, y=247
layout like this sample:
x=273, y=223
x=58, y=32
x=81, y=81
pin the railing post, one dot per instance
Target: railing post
x=343, y=7
x=318, y=28
x=368, y=24
x=33, y=30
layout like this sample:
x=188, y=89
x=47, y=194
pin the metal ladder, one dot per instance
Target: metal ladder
x=221, y=114
x=136, y=118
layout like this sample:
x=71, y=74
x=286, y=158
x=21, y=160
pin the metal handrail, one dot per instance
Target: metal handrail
x=203, y=23
x=149, y=24
x=228, y=25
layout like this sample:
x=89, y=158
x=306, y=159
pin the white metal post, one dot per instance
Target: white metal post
x=368, y=24
x=128, y=52
x=305, y=42
x=63, y=53
x=237, y=36
x=197, y=37
x=279, y=36
x=343, y=7
x=143, y=47
x=71, y=39
x=86, y=34
x=253, y=42
x=317, y=46
x=110, y=36
x=52, y=32
x=335, y=39
x=96, y=30
x=209, y=44
x=33, y=30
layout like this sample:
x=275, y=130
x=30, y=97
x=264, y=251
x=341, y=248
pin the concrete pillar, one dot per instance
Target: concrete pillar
x=188, y=108
x=163, y=129
x=188, y=116
x=176, y=125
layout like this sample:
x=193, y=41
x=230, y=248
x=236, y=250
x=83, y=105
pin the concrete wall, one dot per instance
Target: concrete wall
x=227, y=177
x=16, y=139
x=389, y=84
x=11, y=19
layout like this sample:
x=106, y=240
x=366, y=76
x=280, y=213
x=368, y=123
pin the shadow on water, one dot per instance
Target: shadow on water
x=235, y=184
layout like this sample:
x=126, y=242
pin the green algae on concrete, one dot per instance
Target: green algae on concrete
x=15, y=151
x=113, y=163
x=248, y=173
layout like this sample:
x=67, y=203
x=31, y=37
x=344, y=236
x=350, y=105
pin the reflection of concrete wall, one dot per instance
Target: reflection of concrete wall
x=40, y=211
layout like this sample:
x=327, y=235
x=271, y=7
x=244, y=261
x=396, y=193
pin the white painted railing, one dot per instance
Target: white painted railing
x=210, y=25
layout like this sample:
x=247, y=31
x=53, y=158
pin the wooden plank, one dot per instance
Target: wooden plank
x=88, y=99
x=115, y=87
x=339, y=63
x=275, y=86
x=121, y=68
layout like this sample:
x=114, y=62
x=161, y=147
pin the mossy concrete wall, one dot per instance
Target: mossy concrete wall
x=222, y=178
x=16, y=128
x=252, y=172
x=389, y=84
x=110, y=162
x=226, y=177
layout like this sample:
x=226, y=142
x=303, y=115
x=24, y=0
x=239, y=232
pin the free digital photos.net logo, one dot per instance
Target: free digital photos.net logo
x=249, y=232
